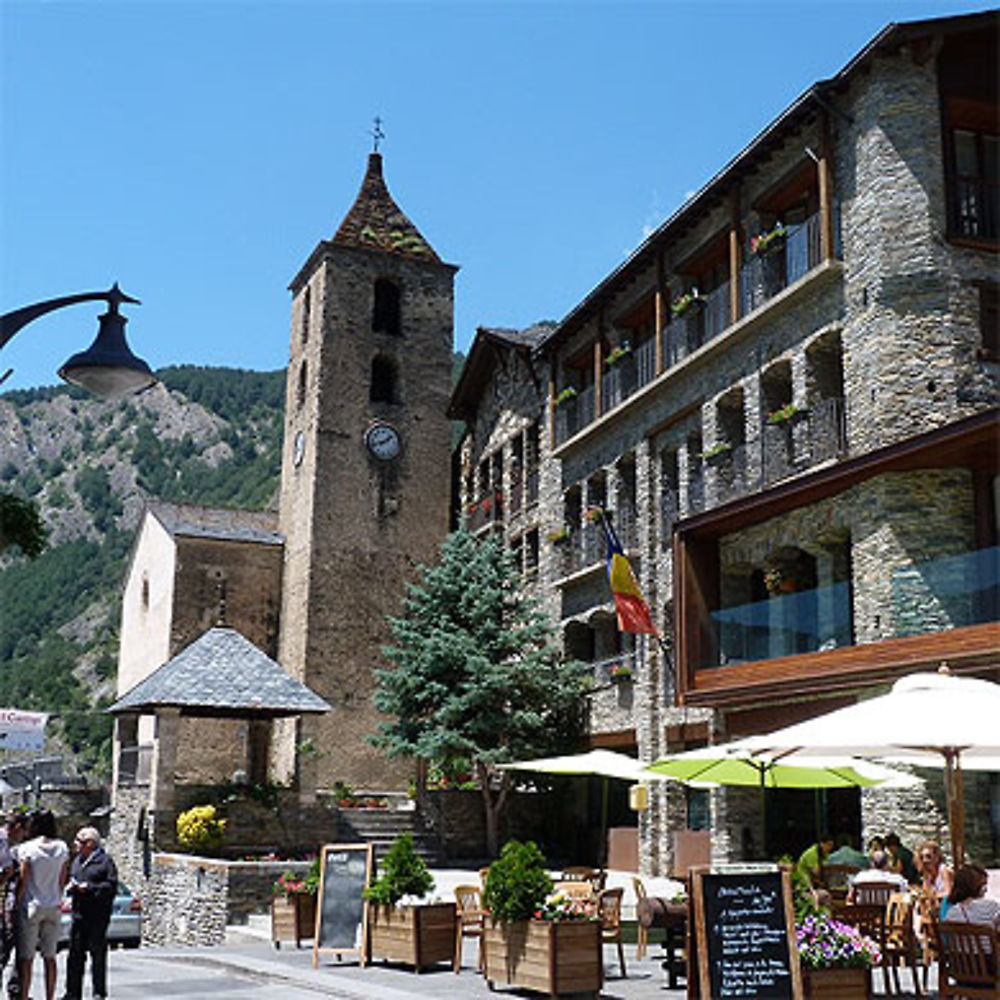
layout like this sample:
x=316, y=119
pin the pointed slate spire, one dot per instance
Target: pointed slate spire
x=376, y=222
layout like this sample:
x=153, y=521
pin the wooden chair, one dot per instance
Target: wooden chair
x=901, y=939
x=872, y=893
x=609, y=909
x=642, y=933
x=483, y=873
x=869, y=918
x=970, y=955
x=471, y=915
x=576, y=890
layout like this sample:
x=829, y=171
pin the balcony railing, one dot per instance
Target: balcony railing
x=515, y=496
x=486, y=510
x=764, y=276
x=977, y=208
x=760, y=279
x=531, y=487
x=582, y=549
x=777, y=452
x=827, y=429
x=786, y=624
x=946, y=593
x=731, y=473
x=135, y=764
x=615, y=669
x=935, y=596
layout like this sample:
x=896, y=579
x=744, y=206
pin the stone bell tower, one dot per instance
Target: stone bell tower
x=365, y=472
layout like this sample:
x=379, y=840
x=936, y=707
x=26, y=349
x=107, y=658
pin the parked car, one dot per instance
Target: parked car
x=125, y=928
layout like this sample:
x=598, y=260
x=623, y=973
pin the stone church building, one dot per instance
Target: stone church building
x=785, y=398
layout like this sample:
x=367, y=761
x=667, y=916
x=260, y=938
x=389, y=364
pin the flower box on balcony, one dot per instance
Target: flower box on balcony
x=566, y=396
x=717, y=452
x=560, y=536
x=783, y=415
x=621, y=672
x=618, y=355
x=685, y=302
x=773, y=239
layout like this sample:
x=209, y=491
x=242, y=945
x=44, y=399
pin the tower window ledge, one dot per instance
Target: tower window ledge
x=806, y=286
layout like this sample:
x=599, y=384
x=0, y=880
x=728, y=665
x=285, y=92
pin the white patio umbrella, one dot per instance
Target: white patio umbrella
x=932, y=720
x=600, y=763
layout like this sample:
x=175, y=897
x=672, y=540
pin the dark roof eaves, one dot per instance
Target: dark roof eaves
x=324, y=247
x=891, y=34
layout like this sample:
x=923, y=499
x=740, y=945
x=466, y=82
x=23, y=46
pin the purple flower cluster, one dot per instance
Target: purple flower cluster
x=825, y=943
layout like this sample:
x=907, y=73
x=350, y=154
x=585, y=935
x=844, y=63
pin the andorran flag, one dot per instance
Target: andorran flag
x=633, y=612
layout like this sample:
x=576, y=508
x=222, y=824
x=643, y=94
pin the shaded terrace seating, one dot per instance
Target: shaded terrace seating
x=901, y=945
x=970, y=960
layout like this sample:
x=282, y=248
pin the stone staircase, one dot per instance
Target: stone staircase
x=382, y=826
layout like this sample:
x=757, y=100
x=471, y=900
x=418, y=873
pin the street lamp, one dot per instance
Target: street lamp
x=107, y=368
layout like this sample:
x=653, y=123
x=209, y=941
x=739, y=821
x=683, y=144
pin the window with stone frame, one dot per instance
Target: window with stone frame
x=386, y=309
x=306, y=313
x=300, y=395
x=989, y=321
x=531, y=553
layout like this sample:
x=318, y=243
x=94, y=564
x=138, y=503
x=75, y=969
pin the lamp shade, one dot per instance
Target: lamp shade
x=108, y=368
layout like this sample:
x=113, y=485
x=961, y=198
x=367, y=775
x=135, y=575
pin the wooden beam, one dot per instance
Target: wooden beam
x=825, y=171
x=735, y=257
x=659, y=310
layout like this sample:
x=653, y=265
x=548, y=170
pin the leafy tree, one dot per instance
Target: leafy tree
x=476, y=673
x=21, y=525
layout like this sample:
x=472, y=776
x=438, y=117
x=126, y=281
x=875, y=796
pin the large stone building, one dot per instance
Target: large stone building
x=786, y=398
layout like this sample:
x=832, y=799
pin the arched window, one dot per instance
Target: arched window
x=383, y=383
x=300, y=397
x=306, y=313
x=385, y=314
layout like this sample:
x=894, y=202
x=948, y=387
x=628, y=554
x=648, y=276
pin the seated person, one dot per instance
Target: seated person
x=878, y=872
x=936, y=877
x=847, y=854
x=812, y=859
x=966, y=902
x=900, y=858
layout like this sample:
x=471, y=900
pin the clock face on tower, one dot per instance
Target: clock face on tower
x=382, y=440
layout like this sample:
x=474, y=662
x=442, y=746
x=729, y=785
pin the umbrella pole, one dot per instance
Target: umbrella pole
x=954, y=792
x=602, y=852
x=763, y=813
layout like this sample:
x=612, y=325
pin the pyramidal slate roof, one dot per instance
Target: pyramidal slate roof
x=221, y=673
x=375, y=221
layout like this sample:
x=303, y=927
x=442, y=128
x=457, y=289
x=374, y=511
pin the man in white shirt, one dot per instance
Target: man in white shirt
x=879, y=872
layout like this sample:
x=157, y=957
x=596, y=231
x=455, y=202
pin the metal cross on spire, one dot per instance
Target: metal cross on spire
x=377, y=133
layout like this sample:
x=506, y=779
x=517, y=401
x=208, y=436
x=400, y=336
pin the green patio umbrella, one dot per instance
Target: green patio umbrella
x=732, y=764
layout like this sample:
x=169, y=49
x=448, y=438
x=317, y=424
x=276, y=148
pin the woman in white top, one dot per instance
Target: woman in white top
x=44, y=865
x=965, y=902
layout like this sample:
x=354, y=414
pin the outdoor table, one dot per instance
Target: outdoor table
x=672, y=917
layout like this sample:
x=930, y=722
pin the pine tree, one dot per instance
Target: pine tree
x=476, y=675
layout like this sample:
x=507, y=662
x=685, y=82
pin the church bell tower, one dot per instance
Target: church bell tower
x=365, y=480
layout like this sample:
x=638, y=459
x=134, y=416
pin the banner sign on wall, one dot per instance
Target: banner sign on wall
x=22, y=730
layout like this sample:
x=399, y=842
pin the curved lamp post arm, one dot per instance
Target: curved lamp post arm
x=108, y=368
x=11, y=322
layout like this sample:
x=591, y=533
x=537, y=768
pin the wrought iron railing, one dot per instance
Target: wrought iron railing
x=716, y=312
x=486, y=510
x=616, y=669
x=645, y=362
x=827, y=429
x=618, y=383
x=583, y=548
x=763, y=276
x=977, y=208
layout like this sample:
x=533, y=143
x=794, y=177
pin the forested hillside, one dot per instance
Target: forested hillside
x=204, y=435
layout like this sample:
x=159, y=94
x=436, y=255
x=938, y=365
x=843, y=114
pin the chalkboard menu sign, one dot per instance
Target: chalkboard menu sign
x=745, y=925
x=341, y=914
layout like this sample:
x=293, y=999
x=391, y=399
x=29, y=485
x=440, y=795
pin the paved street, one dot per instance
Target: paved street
x=254, y=970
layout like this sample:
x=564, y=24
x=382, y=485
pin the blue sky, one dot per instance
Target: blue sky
x=197, y=152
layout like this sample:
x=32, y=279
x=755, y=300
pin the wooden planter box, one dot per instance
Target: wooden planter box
x=836, y=984
x=293, y=919
x=417, y=935
x=551, y=956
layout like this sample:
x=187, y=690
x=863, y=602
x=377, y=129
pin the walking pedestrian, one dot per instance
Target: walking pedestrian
x=93, y=883
x=44, y=861
x=11, y=836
